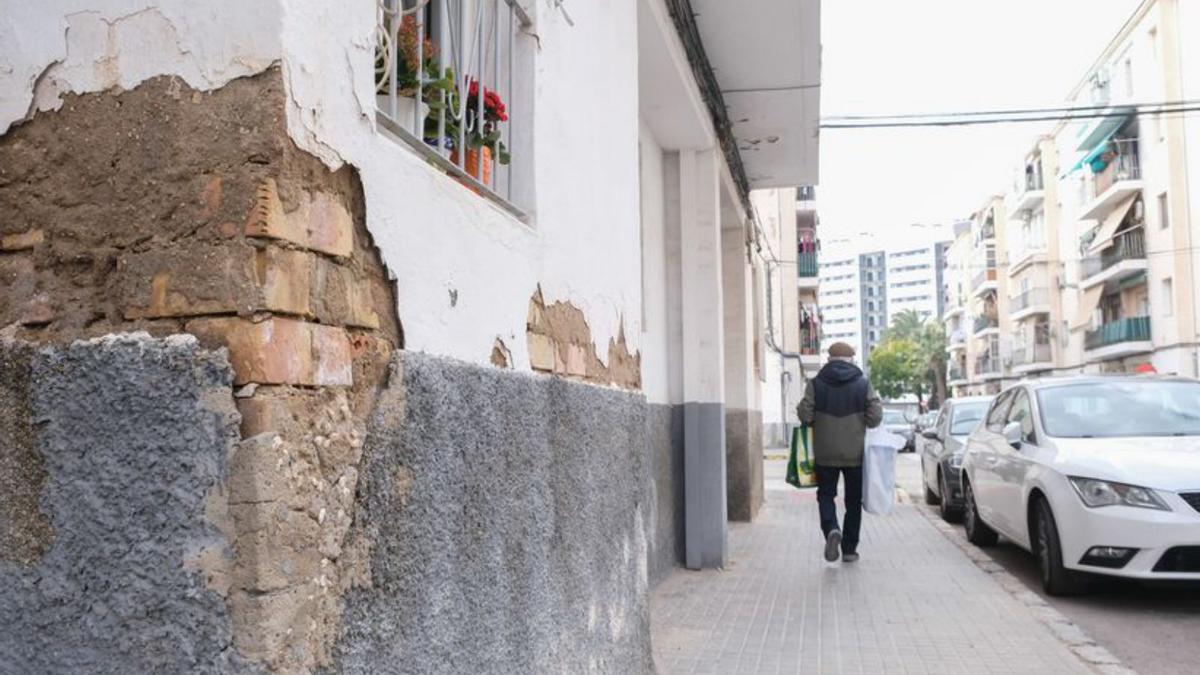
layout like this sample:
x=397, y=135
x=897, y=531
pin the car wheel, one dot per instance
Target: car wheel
x=950, y=513
x=1056, y=579
x=978, y=532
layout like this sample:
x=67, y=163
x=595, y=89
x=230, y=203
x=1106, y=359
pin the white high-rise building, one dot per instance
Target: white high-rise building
x=862, y=292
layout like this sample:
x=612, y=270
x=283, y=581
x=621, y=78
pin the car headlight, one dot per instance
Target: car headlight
x=956, y=460
x=1096, y=493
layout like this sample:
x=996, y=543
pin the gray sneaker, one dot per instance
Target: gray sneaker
x=849, y=557
x=833, y=542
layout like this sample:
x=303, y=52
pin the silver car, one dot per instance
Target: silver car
x=942, y=452
x=897, y=422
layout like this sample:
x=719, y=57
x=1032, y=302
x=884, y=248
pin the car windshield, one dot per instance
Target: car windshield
x=1121, y=408
x=894, y=417
x=966, y=417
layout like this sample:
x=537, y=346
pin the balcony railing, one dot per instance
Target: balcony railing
x=1030, y=298
x=983, y=323
x=1129, y=245
x=807, y=264
x=957, y=338
x=806, y=193
x=987, y=274
x=1133, y=329
x=1027, y=182
x=956, y=373
x=444, y=82
x=1123, y=164
x=1038, y=353
x=987, y=365
x=810, y=340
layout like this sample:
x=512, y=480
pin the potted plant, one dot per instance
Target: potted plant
x=409, y=64
x=483, y=133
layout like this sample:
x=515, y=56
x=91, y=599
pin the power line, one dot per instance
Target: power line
x=934, y=121
x=1017, y=111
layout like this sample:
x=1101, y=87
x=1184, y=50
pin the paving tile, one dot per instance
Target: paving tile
x=914, y=603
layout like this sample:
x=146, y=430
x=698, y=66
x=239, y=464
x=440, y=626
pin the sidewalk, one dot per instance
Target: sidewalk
x=914, y=603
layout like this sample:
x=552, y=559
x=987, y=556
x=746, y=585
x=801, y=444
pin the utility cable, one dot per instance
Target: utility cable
x=934, y=121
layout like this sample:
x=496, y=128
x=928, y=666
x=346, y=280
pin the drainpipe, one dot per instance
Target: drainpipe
x=786, y=377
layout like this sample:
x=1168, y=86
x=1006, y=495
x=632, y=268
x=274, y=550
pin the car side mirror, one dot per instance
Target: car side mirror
x=1013, y=434
x=931, y=434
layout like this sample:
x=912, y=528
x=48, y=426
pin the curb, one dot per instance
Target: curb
x=1067, y=631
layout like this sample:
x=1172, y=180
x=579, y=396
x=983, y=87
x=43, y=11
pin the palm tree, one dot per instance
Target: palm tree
x=930, y=338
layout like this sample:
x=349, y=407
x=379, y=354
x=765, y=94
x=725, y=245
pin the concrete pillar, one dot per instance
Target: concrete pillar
x=698, y=210
x=743, y=409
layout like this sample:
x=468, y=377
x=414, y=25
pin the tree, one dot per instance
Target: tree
x=895, y=367
x=929, y=339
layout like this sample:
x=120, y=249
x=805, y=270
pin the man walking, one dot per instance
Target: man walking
x=841, y=405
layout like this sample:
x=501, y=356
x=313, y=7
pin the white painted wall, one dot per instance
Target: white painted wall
x=85, y=46
x=658, y=383
x=583, y=244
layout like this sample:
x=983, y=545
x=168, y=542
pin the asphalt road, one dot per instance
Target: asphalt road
x=1154, y=630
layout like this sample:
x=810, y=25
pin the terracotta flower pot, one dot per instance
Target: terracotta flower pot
x=478, y=163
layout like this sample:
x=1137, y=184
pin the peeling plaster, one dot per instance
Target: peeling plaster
x=89, y=46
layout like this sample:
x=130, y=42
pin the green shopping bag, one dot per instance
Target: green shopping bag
x=801, y=472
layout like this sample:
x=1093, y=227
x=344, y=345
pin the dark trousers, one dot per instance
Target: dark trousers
x=827, y=489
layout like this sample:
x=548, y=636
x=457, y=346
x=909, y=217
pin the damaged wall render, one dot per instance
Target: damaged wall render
x=170, y=210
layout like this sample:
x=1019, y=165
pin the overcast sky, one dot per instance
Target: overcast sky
x=886, y=57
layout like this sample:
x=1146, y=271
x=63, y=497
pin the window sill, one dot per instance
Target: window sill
x=402, y=135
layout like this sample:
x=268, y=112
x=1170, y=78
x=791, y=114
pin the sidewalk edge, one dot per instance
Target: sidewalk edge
x=1067, y=631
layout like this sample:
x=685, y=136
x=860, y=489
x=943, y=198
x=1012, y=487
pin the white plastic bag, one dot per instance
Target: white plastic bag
x=879, y=470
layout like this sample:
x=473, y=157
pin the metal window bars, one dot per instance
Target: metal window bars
x=444, y=83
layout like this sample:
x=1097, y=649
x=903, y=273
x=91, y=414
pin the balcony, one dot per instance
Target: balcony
x=1027, y=254
x=807, y=269
x=988, y=367
x=1032, y=358
x=984, y=325
x=956, y=342
x=810, y=346
x=956, y=375
x=1126, y=257
x=955, y=307
x=1028, y=192
x=1116, y=339
x=985, y=281
x=1120, y=178
x=1030, y=303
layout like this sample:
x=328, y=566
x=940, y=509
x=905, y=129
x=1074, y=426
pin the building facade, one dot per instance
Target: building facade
x=350, y=336
x=1095, y=239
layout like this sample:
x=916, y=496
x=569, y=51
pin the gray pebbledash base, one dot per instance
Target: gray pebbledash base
x=508, y=515
x=132, y=434
x=664, y=450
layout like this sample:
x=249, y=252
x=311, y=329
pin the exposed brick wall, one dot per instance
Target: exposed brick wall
x=560, y=342
x=168, y=210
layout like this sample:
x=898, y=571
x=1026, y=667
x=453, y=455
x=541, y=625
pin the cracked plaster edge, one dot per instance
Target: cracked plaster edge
x=39, y=86
x=1066, y=631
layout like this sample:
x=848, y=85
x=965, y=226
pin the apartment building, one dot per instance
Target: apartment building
x=1098, y=231
x=840, y=297
x=956, y=317
x=788, y=219
x=356, y=337
x=866, y=290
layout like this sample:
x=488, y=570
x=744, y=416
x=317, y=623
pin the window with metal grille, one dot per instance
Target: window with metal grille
x=448, y=84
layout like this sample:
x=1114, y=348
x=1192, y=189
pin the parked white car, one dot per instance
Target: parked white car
x=1095, y=475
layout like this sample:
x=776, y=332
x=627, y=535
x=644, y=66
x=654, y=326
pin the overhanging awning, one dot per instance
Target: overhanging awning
x=1108, y=228
x=1094, y=151
x=1105, y=127
x=1087, y=305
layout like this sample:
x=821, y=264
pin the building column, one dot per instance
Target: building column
x=743, y=412
x=703, y=359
